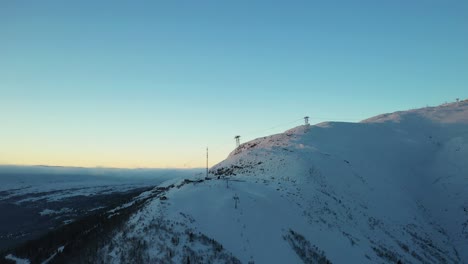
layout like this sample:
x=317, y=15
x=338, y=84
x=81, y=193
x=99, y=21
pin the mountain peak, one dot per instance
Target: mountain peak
x=449, y=113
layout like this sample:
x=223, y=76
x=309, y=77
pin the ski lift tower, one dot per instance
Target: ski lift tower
x=237, y=138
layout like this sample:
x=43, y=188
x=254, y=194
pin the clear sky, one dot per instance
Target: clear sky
x=152, y=83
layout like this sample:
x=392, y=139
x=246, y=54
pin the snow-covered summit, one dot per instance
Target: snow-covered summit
x=449, y=113
x=393, y=188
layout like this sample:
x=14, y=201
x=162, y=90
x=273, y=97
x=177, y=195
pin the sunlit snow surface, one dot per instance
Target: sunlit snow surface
x=393, y=187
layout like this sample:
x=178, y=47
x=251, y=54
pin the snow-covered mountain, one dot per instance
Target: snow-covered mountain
x=390, y=189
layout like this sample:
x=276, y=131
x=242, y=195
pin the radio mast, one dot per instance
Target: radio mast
x=206, y=161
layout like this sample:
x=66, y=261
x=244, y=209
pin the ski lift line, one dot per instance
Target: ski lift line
x=335, y=118
x=294, y=121
x=249, y=134
x=243, y=135
x=300, y=119
x=276, y=126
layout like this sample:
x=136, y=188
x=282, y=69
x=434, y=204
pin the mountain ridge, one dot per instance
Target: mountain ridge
x=352, y=192
x=391, y=189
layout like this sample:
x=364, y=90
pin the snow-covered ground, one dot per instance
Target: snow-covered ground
x=391, y=188
x=37, y=199
x=16, y=260
x=32, y=183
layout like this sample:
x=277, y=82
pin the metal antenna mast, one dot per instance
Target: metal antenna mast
x=206, y=161
x=237, y=138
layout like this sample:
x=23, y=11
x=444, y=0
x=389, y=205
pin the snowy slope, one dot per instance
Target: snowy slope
x=391, y=188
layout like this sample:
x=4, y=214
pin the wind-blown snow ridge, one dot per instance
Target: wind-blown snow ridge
x=393, y=188
x=445, y=114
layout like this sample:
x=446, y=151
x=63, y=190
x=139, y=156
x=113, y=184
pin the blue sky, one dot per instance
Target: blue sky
x=152, y=83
